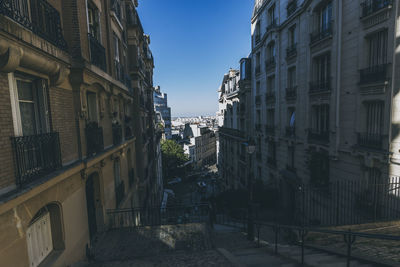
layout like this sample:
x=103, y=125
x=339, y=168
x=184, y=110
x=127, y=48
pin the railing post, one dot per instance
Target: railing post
x=349, y=239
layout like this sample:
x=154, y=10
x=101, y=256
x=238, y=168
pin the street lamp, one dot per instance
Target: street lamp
x=250, y=149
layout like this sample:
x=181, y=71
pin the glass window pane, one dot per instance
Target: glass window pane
x=28, y=121
x=25, y=90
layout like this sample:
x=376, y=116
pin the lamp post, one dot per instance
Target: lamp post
x=250, y=149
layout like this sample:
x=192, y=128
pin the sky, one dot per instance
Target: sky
x=194, y=43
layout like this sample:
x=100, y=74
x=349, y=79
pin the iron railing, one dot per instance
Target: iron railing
x=373, y=74
x=291, y=93
x=232, y=132
x=117, y=134
x=36, y=156
x=322, y=33
x=158, y=215
x=119, y=193
x=291, y=51
x=94, y=139
x=318, y=136
x=97, y=53
x=291, y=7
x=369, y=7
x=272, y=25
x=320, y=86
x=368, y=140
x=42, y=18
x=290, y=131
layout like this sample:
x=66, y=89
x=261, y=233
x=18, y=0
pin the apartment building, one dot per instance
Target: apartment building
x=234, y=124
x=324, y=91
x=161, y=105
x=77, y=129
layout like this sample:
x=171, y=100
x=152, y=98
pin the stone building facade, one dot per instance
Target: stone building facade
x=234, y=125
x=77, y=131
x=161, y=105
x=324, y=91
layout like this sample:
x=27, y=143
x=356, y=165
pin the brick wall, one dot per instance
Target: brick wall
x=63, y=119
x=7, y=176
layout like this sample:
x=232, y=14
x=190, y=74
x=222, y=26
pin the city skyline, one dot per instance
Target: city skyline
x=211, y=37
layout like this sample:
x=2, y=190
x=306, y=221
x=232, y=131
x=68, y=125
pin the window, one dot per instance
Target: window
x=291, y=77
x=116, y=48
x=271, y=15
x=291, y=117
x=271, y=51
x=271, y=152
x=377, y=48
x=258, y=61
x=257, y=32
x=325, y=18
x=271, y=117
x=271, y=84
x=258, y=116
x=291, y=157
x=91, y=99
x=322, y=70
x=93, y=20
x=320, y=119
x=258, y=85
x=30, y=106
x=292, y=36
x=374, y=123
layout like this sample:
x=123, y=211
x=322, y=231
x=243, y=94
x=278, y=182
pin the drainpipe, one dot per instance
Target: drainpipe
x=338, y=77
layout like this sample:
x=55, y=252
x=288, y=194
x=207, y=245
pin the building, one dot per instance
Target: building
x=234, y=124
x=324, y=92
x=76, y=92
x=204, y=142
x=161, y=105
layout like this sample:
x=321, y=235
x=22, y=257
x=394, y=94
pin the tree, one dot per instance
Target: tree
x=172, y=157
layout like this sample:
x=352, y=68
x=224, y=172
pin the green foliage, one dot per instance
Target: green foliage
x=172, y=157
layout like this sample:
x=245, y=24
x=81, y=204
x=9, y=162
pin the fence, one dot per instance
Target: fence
x=158, y=215
x=348, y=202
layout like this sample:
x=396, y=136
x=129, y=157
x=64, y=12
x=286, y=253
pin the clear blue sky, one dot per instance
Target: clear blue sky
x=194, y=43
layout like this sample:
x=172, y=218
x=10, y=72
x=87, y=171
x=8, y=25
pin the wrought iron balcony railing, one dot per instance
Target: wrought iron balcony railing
x=290, y=131
x=119, y=193
x=291, y=51
x=94, y=139
x=374, y=74
x=272, y=25
x=368, y=140
x=270, y=129
x=117, y=134
x=97, y=53
x=291, y=7
x=369, y=7
x=320, y=86
x=36, y=156
x=322, y=33
x=270, y=96
x=291, y=93
x=257, y=38
x=318, y=136
x=38, y=16
x=258, y=100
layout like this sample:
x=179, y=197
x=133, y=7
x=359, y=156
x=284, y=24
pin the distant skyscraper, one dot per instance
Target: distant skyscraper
x=161, y=105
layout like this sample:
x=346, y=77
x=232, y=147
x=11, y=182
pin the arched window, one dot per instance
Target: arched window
x=45, y=233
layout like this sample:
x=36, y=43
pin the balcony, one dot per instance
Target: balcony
x=291, y=51
x=258, y=100
x=119, y=193
x=315, y=136
x=258, y=127
x=35, y=156
x=269, y=130
x=97, y=53
x=117, y=134
x=369, y=7
x=270, y=64
x=290, y=131
x=258, y=69
x=270, y=97
x=291, y=93
x=94, y=139
x=232, y=132
x=291, y=7
x=320, y=87
x=374, y=74
x=371, y=141
x=321, y=33
x=272, y=25
x=38, y=16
